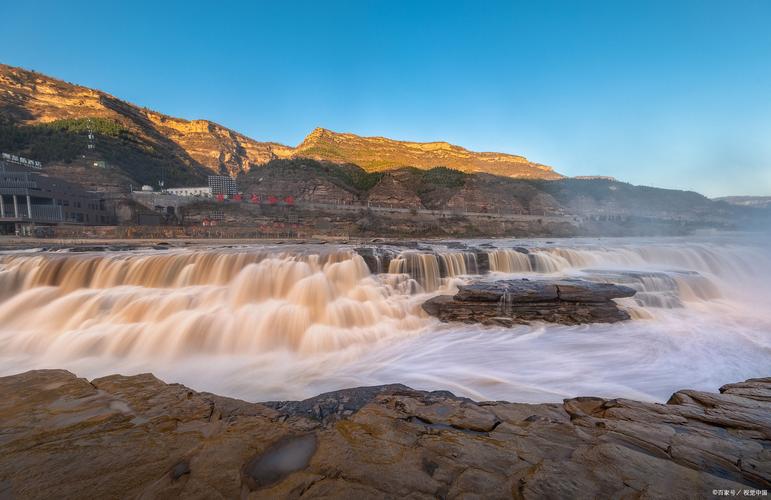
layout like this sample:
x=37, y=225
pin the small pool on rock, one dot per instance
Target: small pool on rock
x=288, y=455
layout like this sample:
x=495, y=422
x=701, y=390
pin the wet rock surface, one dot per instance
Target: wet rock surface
x=121, y=437
x=567, y=301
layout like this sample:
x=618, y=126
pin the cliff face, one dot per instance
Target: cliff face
x=197, y=147
x=214, y=146
x=376, y=154
x=396, y=189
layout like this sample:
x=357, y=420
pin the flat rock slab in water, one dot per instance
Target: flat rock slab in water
x=568, y=301
x=137, y=437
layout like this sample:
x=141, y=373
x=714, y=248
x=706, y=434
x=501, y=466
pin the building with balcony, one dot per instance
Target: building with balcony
x=29, y=197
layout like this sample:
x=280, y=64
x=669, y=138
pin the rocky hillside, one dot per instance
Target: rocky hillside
x=441, y=188
x=48, y=119
x=376, y=154
x=137, y=437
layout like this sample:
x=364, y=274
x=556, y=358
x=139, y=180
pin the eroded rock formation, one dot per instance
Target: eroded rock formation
x=566, y=301
x=130, y=437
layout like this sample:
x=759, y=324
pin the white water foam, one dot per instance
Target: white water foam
x=260, y=325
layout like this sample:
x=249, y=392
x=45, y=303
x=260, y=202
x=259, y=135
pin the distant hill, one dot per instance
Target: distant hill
x=48, y=120
x=747, y=201
x=442, y=188
x=377, y=154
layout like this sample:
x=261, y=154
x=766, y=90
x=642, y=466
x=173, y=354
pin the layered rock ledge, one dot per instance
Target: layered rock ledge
x=567, y=301
x=137, y=437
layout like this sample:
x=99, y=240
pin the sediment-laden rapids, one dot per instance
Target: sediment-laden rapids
x=289, y=322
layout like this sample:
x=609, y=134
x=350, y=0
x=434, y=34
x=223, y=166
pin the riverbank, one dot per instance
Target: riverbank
x=24, y=243
x=119, y=437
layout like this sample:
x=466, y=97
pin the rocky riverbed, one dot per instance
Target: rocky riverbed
x=119, y=437
x=506, y=302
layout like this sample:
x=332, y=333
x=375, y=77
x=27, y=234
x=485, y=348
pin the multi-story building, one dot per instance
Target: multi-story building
x=222, y=185
x=29, y=197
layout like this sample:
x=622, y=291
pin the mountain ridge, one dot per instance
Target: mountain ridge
x=387, y=154
x=193, y=148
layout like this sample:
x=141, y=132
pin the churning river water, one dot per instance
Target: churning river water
x=289, y=322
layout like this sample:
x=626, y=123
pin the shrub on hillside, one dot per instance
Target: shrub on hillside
x=445, y=177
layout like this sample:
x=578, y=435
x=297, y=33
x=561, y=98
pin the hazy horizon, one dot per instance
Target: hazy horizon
x=654, y=94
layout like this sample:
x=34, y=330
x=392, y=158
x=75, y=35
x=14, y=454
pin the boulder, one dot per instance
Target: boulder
x=376, y=258
x=483, y=261
x=566, y=301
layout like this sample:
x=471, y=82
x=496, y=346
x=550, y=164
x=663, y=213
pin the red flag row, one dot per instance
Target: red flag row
x=254, y=198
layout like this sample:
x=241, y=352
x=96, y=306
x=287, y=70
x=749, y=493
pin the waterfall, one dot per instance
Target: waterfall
x=689, y=256
x=429, y=270
x=515, y=261
x=509, y=261
x=197, y=302
x=423, y=268
x=290, y=322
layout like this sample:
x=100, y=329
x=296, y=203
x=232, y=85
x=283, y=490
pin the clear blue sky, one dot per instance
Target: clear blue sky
x=666, y=93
